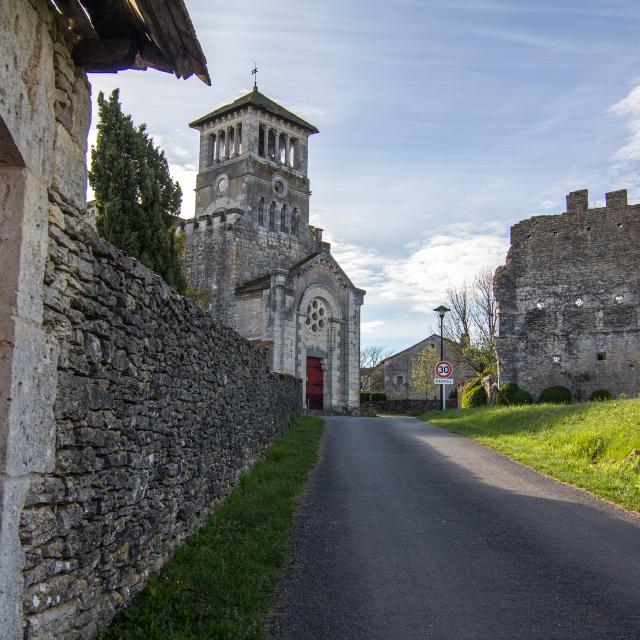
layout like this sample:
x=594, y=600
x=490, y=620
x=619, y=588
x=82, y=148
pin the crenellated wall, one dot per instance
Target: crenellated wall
x=568, y=299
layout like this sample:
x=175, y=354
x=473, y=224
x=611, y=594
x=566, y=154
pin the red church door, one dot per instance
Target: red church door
x=315, y=383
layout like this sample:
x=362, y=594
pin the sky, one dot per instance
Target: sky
x=442, y=123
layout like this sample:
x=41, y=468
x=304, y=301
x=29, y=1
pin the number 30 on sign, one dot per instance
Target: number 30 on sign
x=444, y=369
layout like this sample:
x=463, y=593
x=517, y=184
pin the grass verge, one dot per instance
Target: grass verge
x=220, y=583
x=594, y=445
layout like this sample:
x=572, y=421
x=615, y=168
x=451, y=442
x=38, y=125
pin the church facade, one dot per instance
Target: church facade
x=250, y=249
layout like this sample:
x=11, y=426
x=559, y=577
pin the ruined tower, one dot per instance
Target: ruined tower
x=568, y=299
x=250, y=247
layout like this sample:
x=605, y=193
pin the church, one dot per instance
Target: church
x=265, y=270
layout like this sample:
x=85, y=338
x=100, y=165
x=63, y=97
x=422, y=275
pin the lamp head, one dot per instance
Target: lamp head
x=441, y=310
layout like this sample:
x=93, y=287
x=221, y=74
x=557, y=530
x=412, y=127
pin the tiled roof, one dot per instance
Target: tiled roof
x=259, y=100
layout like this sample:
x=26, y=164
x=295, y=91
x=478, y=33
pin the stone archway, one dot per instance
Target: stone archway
x=319, y=342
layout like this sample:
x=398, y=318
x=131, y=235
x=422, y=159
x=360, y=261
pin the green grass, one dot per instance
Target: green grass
x=594, y=445
x=220, y=583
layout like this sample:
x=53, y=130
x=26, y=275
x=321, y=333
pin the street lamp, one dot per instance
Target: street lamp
x=441, y=311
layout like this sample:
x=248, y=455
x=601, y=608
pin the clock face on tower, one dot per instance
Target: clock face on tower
x=280, y=186
x=221, y=183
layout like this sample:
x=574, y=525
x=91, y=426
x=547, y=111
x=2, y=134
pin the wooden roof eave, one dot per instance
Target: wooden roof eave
x=156, y=33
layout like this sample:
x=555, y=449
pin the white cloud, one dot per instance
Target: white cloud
x=185, y=174
x=369, y=329
x=630, y=107
x=402, y=291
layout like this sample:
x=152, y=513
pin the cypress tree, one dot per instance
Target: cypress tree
x=136, y=198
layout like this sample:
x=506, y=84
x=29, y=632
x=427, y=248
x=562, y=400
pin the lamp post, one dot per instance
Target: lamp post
x=441, y=311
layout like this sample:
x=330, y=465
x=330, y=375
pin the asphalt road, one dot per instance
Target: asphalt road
x=409, y=532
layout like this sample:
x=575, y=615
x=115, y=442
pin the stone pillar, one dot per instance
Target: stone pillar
x=217, y=139
x=276, y=145
x=236, y=139
x=228, y=147
x=266, y=144
x=212, y=148
x=287, y=149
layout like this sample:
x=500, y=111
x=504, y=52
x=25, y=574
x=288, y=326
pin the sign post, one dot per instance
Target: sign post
x=442, y=312
x=444, y=376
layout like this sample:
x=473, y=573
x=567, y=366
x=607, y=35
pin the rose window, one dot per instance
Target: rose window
x=316, y=320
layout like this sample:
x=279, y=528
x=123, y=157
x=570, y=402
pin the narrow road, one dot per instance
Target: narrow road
x=408, y=532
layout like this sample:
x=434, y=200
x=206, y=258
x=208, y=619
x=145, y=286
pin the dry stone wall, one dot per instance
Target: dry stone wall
x=158, y=411
x=126, y=412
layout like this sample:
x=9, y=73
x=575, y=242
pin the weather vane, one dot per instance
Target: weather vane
x=254, y=73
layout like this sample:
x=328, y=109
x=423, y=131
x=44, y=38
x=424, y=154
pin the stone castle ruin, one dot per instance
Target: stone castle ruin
x=267, y=272
x=568, y=299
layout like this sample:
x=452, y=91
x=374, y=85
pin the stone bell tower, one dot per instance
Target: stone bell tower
x=252, y=197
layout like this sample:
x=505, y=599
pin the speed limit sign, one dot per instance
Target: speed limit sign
x=444, y=369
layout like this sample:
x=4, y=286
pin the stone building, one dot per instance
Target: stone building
x=268, y=273
x=568, y=299
x=396, y=370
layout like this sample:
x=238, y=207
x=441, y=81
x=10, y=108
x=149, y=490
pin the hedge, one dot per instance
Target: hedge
x=556, y=395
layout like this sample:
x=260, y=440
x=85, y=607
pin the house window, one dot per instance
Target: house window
x=556, y=359
x=601, y=356
x=399, y=380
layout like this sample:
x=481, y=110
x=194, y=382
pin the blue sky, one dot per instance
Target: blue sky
x=441, y=124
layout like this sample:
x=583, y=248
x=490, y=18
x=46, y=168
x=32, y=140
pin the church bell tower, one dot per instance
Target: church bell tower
x=264, y=270
x=253, y=162
x=252, y=196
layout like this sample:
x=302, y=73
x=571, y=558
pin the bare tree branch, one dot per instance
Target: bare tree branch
x=370, y=358
x=458, y=320
x=373, y=355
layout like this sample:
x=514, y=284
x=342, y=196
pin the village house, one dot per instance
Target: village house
x=393, y=375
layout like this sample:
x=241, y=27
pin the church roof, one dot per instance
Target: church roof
x=264, y=281
x=259, y=100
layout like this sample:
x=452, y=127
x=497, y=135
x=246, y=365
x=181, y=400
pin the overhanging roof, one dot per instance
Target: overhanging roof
x=259, y=100
x=112, y=35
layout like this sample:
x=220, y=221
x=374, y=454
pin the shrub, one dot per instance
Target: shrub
x=474, y=396
x=600, y=394
x=378, y=397
x=365, y=396
x=513, y=394
x=522, y=396
x=556, y=395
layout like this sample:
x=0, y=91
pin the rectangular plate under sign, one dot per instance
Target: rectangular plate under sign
x=443, y=381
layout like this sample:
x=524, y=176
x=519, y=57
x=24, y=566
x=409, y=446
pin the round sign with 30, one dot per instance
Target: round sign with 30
x=444, y=369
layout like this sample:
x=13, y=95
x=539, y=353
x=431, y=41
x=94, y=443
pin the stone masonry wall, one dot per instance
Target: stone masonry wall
x=158, y=411
x=568, y=299
x=126, y=413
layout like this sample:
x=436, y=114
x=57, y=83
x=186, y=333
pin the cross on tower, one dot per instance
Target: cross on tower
x=254, y=73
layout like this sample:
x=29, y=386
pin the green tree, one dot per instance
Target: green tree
x=423, y=371
x=136, y=199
